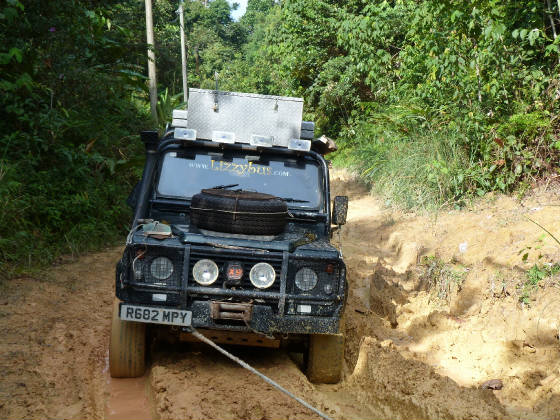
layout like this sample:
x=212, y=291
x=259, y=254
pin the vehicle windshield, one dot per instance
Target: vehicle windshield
x=298, y=180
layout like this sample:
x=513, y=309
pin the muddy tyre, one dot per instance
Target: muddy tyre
x=242, y=212
x=127, y=349
x=325, y=358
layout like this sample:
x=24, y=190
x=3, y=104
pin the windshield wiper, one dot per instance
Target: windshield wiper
x=223, y=187
x=294, y=200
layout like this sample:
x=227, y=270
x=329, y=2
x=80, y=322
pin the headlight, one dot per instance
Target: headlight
x=262, y=275
x=161, y=268
x=306, y=279
x=205, y=272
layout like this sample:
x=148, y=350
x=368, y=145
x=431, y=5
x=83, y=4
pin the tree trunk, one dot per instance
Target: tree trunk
x=183, y=54
x=151, y=60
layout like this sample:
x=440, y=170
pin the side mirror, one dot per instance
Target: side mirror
x=340, y=210
x=150, y=139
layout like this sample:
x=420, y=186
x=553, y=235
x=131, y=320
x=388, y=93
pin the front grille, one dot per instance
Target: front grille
x=150, y=270
x=222, y=258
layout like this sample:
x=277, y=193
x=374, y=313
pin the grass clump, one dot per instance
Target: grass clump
x=441, y=278
x=535, y=277
x=406, y=160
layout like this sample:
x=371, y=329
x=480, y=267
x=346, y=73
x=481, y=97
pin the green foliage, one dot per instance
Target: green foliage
x=535, y=275
x=213, y=39
x=74, y=98
x=539, y=271
x=432, y=102
x=420, y=173
x=256, y=12
x=165, y=106
x=70, y=116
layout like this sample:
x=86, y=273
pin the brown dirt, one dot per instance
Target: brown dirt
x=420, y=339
x=55, y=332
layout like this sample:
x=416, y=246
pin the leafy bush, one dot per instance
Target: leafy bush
x=72, y=73
x=68, y=149
x=431, y=101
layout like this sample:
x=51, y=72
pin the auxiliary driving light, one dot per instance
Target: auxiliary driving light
x=223, y=137
x=299, y=144
x=182, y=133
x=205, y=272
x=262, y=275
x=261, y=141
x=234, y=272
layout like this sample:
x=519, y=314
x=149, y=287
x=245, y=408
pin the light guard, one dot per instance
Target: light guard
x=299, y=144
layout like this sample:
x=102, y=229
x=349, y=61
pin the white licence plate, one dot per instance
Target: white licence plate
x=155, y=315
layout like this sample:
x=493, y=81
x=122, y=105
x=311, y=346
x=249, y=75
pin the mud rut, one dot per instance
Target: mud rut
x=54, y=333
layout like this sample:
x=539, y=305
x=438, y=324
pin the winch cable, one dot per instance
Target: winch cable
x=256, y=372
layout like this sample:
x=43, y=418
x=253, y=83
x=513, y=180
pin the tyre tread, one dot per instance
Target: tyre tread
x=325, y=358
x=127, y=348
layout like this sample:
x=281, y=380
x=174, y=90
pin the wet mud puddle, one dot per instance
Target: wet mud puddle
x=127, y=399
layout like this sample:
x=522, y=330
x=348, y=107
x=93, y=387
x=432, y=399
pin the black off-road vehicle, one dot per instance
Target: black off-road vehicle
x=231, y=236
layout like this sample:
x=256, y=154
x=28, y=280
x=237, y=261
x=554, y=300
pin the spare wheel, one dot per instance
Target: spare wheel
x=238, y=211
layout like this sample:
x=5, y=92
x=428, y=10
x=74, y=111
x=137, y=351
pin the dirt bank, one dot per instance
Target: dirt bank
x=446, y=290
x=433, y=312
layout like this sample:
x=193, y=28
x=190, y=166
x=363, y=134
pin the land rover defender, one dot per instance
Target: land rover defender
x=231, y=236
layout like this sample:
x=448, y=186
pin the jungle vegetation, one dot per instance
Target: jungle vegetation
x=430, y=102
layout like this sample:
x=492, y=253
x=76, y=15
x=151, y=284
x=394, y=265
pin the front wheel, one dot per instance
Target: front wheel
x=325, y=358
x=127, y=349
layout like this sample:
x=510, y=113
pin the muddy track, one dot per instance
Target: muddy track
x=54, y=332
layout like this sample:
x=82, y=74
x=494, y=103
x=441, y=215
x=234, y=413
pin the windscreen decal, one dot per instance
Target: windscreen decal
x=240, y=169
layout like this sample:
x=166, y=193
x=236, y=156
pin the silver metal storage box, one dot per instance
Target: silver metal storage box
x=245, y=114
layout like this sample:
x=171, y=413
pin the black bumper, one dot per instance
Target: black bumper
x=264, y=320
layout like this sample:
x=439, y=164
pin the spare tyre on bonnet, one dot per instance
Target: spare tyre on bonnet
x=238, y=211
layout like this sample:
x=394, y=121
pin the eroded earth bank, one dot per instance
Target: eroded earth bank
x=438, y=305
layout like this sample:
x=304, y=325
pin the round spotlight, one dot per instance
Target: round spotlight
x=262, y=275
x=205, y=272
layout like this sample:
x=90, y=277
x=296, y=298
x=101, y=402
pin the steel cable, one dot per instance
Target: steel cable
x=256, y=372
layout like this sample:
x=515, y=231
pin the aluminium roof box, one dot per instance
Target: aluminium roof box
x=244, y=114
